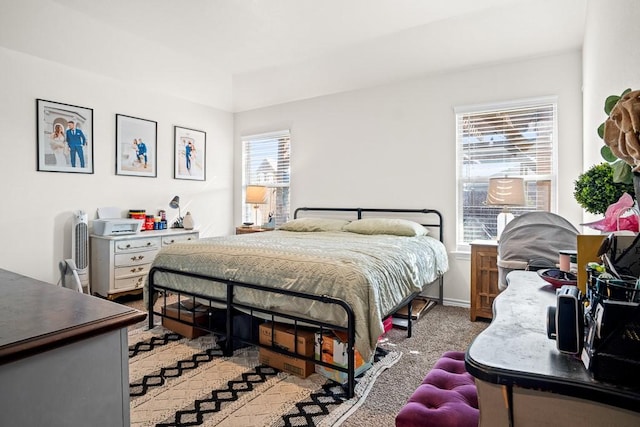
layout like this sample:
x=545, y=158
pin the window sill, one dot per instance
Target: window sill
x=464, y=255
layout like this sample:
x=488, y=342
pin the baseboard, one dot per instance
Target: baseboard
x=449, y=301
x=456, y=303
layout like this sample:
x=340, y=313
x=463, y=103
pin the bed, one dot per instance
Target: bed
x=338, y=269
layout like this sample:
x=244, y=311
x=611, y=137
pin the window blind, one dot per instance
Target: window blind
x=266, y=162
x=515, y=140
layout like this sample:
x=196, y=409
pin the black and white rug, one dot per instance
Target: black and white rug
x=175, y=381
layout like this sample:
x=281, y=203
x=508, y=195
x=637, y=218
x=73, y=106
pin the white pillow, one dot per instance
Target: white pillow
x=314, y=224
x=393, y=226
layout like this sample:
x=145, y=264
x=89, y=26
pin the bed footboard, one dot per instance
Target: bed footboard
x=257, y=314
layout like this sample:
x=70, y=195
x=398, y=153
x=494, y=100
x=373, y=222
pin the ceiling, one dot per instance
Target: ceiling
x=243, y=54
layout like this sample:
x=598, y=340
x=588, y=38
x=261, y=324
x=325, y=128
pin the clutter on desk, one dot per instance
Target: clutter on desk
x=601, y=323
x=612, y=319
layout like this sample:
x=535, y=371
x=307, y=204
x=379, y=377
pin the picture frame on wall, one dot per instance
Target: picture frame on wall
x=136, y=146
x=190, y=147
x=64, y=137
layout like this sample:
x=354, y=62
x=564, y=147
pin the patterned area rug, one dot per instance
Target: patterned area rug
x=175, y=381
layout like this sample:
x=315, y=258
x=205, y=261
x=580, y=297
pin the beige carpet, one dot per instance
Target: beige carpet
x=442, y=329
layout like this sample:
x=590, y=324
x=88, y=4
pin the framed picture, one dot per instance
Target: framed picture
x=64, y=137
x=136, y=143
x=189, y=154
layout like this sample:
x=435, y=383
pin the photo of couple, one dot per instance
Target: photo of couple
x=64, y=137
x=135, y=146
x=189, y=154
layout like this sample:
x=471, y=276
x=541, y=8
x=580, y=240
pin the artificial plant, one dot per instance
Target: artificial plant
x=596, y=189
x=620, y=133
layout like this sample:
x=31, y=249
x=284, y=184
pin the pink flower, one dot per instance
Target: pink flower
x=619, y=216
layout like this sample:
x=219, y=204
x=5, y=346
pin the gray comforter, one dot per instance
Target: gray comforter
x=371, y=273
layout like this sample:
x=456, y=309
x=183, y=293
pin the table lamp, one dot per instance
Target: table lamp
x=256, y=195
x=505, y=192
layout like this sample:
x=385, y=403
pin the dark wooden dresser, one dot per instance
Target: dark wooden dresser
x=522, y=378
x=63, y=356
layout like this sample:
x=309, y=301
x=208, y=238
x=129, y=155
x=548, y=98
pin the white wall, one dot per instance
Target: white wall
x=37, y=207
x=394, y=145
x=610, y=65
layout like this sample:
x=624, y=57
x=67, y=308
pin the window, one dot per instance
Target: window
x=512, y=140
x=265, y=162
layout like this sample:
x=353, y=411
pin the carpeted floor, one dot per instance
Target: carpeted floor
x=442, y=329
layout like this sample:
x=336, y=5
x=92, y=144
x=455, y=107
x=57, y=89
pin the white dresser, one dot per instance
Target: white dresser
x=120, y=264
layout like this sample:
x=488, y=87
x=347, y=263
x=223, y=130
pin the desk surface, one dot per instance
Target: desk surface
x=514, y=350
x=36, y=316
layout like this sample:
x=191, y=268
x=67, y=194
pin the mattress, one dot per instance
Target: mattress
x=372, y=273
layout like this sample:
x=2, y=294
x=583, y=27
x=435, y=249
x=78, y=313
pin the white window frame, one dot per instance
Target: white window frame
x=277, y=190
x=462, y=246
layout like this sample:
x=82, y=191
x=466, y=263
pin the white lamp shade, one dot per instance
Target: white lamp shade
x=505, y=192
x=256, y=194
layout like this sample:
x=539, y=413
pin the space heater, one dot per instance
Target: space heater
x=80, y=248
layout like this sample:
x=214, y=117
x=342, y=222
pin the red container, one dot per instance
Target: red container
x=149, y=223
x=138, y=214
x=387, y=324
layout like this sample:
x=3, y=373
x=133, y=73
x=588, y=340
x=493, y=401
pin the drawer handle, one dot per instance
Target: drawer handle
x=135, y=270
x=148, y=243
x=137, y=258
x=128, y=246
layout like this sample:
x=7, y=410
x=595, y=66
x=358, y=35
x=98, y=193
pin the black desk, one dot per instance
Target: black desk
x=523, y=379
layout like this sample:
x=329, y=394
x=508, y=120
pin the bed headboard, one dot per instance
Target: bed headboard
x=430, y=218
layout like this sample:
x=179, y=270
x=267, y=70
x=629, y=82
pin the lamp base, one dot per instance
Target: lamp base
x=503, y=219
x=256, y=207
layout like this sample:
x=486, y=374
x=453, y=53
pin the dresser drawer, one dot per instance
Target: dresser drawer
x=169, y=240
x=150, y=243
x=130, y=282
x=134, y=258
x=131, y=270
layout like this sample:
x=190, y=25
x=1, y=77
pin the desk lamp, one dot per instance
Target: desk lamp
x=256, y=195
x=175, y=204
x=505, y=192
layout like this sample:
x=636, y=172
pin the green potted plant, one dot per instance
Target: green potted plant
x=596, y=189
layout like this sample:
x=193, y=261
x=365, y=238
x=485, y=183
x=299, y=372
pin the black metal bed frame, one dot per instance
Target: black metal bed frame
x=258, y=314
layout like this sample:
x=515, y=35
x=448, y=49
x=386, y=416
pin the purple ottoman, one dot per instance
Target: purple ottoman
x=447, y=397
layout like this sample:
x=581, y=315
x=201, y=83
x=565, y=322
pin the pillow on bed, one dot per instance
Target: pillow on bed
x=396, y=227
x=314, y=224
